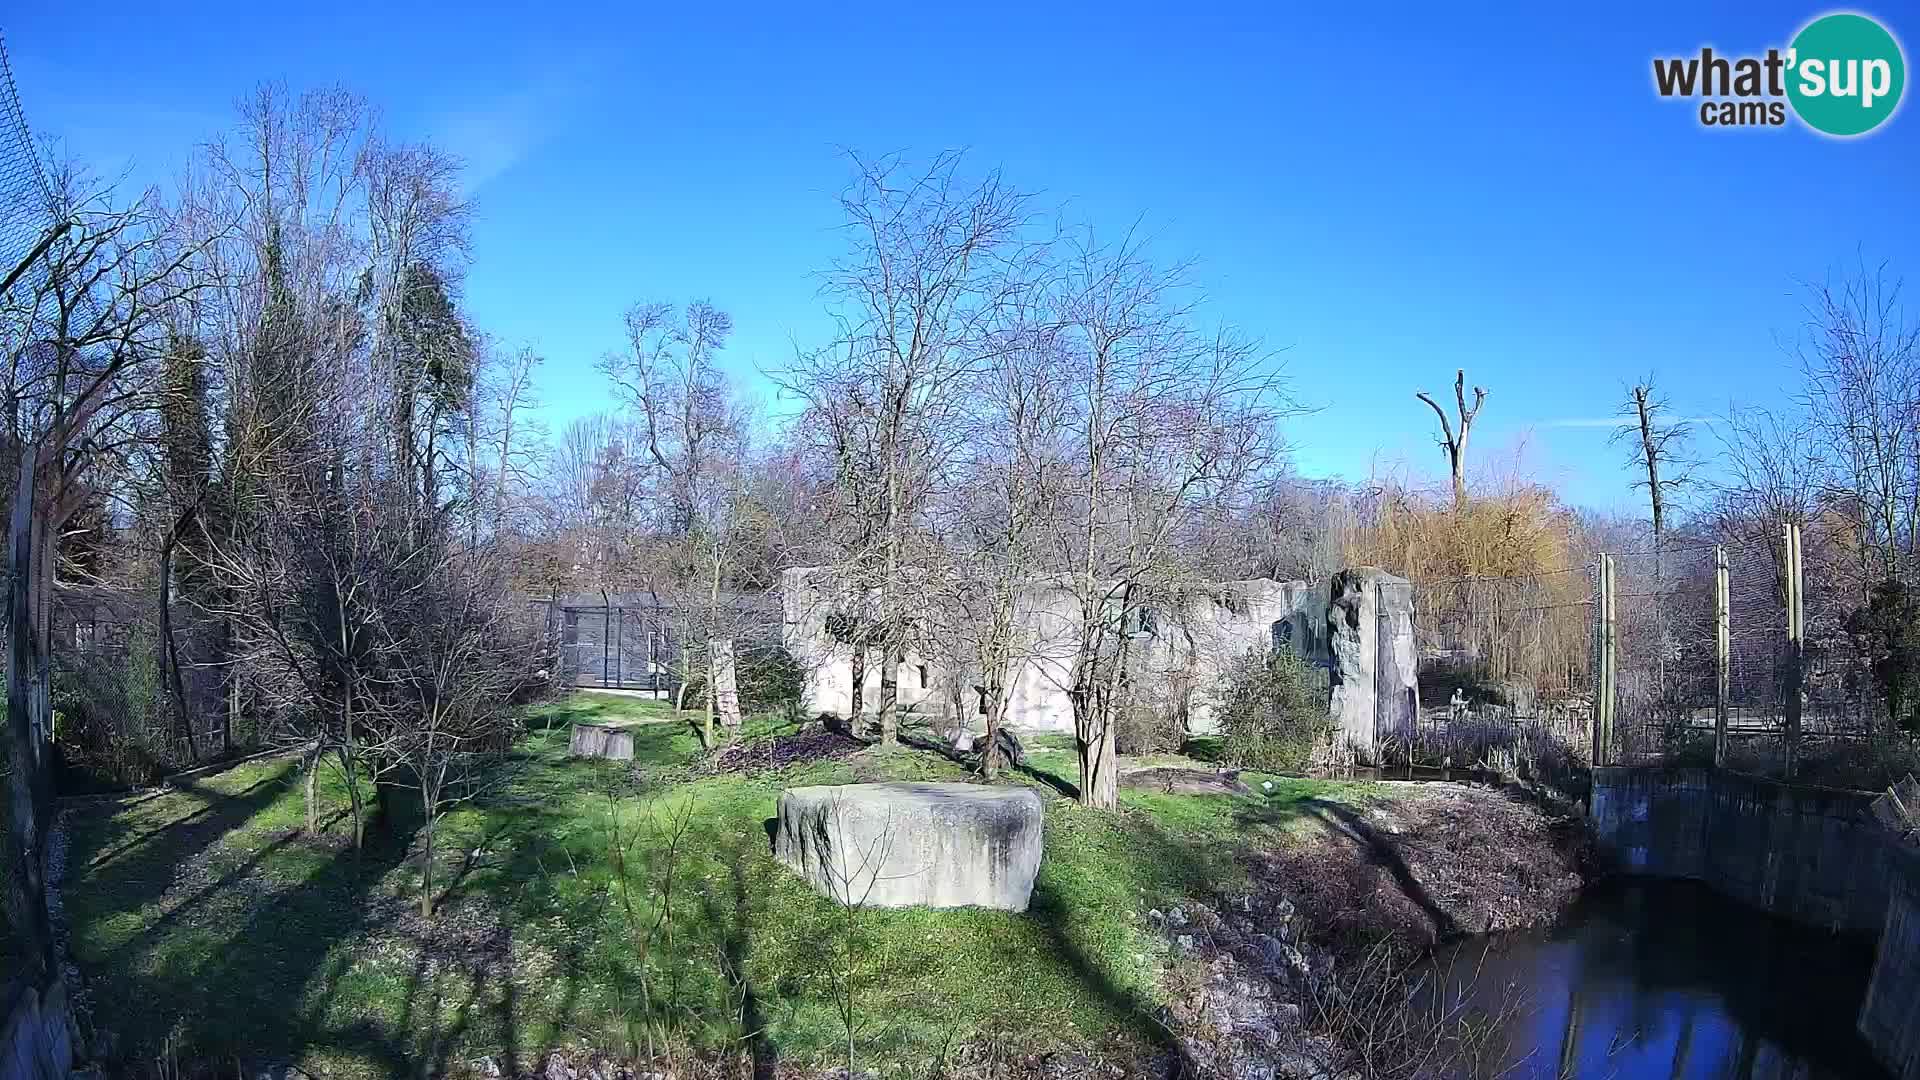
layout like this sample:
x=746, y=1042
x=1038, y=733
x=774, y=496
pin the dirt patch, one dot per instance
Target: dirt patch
x=1440, y=861
x=780, y=751
x=1308, y=975
x=469, y=936
x=1173, y=780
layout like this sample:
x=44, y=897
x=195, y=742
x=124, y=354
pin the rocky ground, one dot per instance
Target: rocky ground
x=1272, y=983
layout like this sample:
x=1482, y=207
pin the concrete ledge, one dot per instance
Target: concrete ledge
x=1814, y=855
x=1890, y=1017
x=1811, y=854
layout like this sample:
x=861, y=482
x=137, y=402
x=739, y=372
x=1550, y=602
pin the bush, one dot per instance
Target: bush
x=111, y=722
x=1272, y=712
x=767, y=677
x=1144, y=729
x=1887, y=632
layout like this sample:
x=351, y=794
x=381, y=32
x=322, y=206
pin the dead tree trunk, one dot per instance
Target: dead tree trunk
x=1454, y=445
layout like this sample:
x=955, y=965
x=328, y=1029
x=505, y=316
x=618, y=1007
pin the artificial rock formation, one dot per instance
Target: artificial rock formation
x=1376, y=692
x=905, y=844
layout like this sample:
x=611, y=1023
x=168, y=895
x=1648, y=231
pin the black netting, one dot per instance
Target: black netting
x=26, y=202
x=26, y=210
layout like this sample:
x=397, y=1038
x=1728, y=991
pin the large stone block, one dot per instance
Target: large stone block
x=905, y=845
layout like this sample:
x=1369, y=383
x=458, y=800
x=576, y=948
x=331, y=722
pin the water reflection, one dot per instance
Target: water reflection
x=1667, y=979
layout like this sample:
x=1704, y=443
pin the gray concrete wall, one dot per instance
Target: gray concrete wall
x=36, y=1042
x=1814, y=855
x=1890, y=1018
x=1185, y=653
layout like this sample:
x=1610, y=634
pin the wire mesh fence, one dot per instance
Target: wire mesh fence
x=26, y=204
x=1745, y=653
x=1798, y=680
x=1504, y=668
x=618, y=647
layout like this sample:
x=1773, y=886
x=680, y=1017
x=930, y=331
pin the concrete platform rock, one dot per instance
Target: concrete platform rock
x=911, y=844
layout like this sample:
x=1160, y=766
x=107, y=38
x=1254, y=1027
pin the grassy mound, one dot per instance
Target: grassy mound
x=597, y=904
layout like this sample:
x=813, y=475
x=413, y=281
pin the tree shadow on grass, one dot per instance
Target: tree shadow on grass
x=732, y=951
x=1141, y=1012
x=1165, y=862
x=138, y=867
x=1065, y=788
x=223, y=971
x=279, y=954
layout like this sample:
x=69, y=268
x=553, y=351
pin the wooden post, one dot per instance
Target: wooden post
x=1613, y=658
x=1722, y=654
x=1598, y=675
x=1796, y=646
x=1604, y=667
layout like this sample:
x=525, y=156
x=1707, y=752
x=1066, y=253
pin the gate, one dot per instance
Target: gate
x=619, y=647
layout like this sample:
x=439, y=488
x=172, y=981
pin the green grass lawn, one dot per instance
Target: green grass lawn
x=204, y=915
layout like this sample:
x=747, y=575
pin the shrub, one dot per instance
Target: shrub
x=1145, y=729
x=111, y=723
x=767, y=677
x=1272, y=711
x=1887, y=632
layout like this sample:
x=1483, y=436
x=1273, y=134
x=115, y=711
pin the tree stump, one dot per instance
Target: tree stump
x=601, y=741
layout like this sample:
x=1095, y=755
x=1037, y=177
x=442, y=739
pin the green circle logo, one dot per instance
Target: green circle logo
x=1846, y=74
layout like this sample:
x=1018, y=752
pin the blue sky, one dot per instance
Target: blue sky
x=1388, y=195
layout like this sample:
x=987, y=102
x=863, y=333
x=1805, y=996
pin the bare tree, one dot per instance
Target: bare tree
x=697, y=439
x=597, y=505
x=927, y=268
x=1005, y=483
x=514, y=438
x=1170, y=423
x=1772, y=471
x=669, y=376
x=84, y=321
x=1860, y=358
x=1454, y=443
x=458, y=660
x=1658, y=449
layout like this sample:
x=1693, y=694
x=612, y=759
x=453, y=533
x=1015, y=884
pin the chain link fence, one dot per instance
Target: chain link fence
x=27, y=213
x=1745, y=654
x=1504, y=672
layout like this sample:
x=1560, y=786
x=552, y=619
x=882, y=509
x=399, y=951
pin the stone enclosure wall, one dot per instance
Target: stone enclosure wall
x=1890, y=1019
x=1358, y=626
x=1814, y=855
